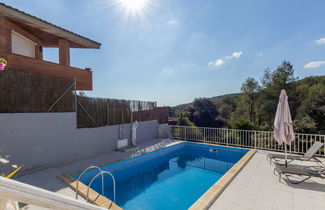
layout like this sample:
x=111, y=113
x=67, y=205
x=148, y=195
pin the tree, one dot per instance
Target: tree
x=272, y=84
x=281, y=78
x=226, y=106
x=257, y=103
x=171, y=112
x=183, y=120
x=250, y=89
x=225, y=113
x=204, y=113
x=305, y=124
x=243, y=125
x=313, y=113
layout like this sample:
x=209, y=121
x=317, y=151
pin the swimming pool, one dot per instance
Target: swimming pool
x=169, y=178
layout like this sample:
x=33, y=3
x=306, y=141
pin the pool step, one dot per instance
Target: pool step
x=94, y=197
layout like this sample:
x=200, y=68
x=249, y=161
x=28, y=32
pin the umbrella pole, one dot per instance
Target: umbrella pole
x=285, y=155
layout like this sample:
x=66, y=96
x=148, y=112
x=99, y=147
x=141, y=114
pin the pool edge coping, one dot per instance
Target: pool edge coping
x=204, y=202
x=211, y=195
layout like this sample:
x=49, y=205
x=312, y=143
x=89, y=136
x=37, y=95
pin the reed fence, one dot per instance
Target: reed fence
x=96, y=112
x=22, y=91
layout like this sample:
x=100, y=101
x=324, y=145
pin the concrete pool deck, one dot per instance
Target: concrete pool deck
x=255, y=187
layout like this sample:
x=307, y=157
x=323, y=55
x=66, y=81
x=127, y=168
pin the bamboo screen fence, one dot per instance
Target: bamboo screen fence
x=95, y=112
x=22, y=91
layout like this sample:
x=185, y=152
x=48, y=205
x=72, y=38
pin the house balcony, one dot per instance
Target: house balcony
x=83, y=76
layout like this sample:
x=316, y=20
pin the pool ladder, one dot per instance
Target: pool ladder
x=101, y=173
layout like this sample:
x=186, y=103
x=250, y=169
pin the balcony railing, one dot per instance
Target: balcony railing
x=83, y=77
x=246, y=138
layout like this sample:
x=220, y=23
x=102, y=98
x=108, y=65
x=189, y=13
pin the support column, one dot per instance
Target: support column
x=64, y=52
x=5, y=38
x=39, y=52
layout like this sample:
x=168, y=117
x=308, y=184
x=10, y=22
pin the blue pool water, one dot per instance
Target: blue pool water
x=170, y=178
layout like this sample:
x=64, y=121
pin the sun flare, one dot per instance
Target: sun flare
x=134, y=5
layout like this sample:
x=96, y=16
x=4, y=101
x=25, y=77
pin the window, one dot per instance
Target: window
x=21, y=45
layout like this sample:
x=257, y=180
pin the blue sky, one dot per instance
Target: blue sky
x=172, y=51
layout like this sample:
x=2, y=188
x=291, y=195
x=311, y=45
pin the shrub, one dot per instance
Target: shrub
x=243, y=125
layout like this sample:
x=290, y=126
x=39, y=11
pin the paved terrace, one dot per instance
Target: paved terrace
x=255, y=187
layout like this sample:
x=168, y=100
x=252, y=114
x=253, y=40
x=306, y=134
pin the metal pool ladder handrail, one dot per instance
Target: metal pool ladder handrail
x=84, y=171
x=102, y=173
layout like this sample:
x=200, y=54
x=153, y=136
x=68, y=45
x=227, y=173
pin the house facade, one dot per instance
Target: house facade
x=23, y=37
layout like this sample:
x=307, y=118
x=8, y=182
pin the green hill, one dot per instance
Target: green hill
x=306, y=100
x=215, y=99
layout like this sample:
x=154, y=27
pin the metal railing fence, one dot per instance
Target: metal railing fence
x=246, y=138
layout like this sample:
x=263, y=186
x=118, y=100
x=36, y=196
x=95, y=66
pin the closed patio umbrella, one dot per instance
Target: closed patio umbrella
x=283, y=129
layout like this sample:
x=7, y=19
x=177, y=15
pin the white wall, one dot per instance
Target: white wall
x=21, y=45
x=41, y=139
x=164, y=131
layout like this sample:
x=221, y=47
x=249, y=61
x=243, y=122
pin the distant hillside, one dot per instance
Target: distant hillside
x=215, y=99
x=306, y=101
x=306, y=83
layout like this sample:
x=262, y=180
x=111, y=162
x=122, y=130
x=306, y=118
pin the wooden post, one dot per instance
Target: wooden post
x=39, y=52
x=107, y=110
x=5, y=38
x=114, y=111
x=64, y=52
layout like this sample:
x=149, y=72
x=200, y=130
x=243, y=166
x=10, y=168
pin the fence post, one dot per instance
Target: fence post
x=156, y=112
x=76, y=101
x=204, y=135
x=107, y=110
x=122, y=114
x=227, y=137
x=255, y=139
x=114, y=112
x=75, y=97
x=185, y=132
x=290, y=148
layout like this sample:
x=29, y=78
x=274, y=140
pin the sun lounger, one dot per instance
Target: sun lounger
x=308, y=156
x=305, y=173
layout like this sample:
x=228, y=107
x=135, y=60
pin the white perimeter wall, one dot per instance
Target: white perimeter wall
x=43, y=139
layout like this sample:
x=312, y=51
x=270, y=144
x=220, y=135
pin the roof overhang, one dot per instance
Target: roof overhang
x=44, y=29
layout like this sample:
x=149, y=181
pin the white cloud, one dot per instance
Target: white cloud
x=167, y=71
x=172, y=22
x=220, y=61
x=320, y=41
x=314, y=64
x=237, y=54
x=260, y=54
x=234, y=55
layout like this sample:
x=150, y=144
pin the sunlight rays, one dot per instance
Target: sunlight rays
x=134, y=10
x=134, y=4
